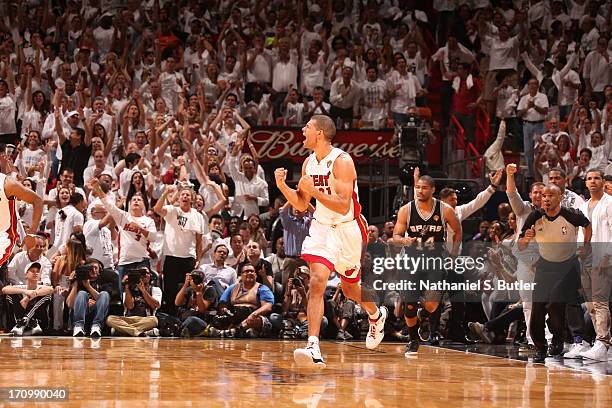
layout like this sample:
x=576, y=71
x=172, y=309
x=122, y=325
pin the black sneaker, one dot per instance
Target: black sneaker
x=412, y=348
x=424, y=328
x=540, y=355
x=555, y=349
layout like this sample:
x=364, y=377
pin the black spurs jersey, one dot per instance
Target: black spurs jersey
x=428, y=229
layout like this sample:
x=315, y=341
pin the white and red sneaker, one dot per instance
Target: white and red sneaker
x=377, y=329
x=309, y=357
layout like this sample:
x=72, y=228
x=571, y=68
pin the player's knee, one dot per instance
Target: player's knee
x=410, y=311
x=317, y=285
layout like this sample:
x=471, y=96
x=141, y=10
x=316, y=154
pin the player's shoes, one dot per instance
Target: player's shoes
x=377, y=329
x=309, y=357
x=412, y=348
x=424, y=328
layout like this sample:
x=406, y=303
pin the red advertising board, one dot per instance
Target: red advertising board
x=286, y=144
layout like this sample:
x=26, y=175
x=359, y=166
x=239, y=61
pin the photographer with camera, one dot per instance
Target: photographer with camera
x=88, y=303
x=140, y=299
x=244, y=308
x=195, y=300
x=295, y=303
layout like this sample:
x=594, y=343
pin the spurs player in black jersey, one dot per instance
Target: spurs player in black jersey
x=421, y=230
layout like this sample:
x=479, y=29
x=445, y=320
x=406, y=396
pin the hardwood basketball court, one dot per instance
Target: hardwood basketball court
x=130, y=372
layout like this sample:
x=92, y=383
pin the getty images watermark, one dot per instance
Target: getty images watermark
x=485, y=269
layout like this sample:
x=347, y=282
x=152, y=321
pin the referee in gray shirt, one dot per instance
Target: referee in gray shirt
x=557, y=277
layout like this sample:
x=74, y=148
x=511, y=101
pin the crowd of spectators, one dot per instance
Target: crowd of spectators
x=133, y=120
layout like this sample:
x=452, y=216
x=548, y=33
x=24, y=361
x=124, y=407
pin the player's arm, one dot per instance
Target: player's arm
x=345, y=176
x=14, y=189
x=453, y=222
x=298, y=198
x=400, y=228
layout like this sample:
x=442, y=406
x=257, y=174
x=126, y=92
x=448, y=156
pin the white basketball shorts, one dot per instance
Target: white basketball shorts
x=338, y=246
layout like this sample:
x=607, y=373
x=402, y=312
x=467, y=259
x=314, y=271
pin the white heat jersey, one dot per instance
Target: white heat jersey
x=323, y=177
x=8, y=223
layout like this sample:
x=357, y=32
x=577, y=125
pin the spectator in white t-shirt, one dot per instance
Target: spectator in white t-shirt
x=99, y=233
x=8, y=129
x=136, y=230
x=182, y=241
x=373, y=99
x=68, y=220
x=318, y=106
x=403, y=87
x=532, y=108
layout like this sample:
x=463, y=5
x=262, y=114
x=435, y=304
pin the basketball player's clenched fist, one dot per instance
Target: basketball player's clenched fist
x=306, y=184
x=280, y=175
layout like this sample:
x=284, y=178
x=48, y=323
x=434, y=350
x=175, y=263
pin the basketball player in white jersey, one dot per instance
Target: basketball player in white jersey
x=10, y=190
x=337, y=234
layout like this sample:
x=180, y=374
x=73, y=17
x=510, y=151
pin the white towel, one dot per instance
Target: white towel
x=469, y=82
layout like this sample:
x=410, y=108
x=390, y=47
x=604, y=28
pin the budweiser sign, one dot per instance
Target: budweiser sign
x=286, y=143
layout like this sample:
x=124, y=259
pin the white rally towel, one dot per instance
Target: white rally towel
x=469, y=82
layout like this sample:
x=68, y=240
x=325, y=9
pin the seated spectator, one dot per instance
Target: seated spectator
x=497, y=327
x=262, y=267
x=277, y=260
x=140, y=301
x=194, y=301
x=244, y=308
x=238, y=254
x=29, y=303
x=88, y=305
x=295, y=304
x=218, y=273
x=344, y=315
x=16, y=268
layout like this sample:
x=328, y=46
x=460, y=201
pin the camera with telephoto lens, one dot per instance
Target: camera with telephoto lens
x=134, y=277
x=197, y=277
x=82, y=273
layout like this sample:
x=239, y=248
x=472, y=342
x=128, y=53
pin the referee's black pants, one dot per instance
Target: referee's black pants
x=556, y=284
x=174, y=270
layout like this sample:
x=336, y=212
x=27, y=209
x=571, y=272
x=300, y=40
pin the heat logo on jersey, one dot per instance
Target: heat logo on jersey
x=322, y=182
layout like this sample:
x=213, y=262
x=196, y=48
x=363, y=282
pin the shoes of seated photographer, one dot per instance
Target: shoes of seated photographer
x=78, y=331
x=343, y=335
x=229, y=333
x=20, y=326
x=96, y=331
x=152, y=333
x=213, y=332
x=481, y=331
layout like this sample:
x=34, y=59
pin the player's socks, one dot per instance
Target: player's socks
x=414, y=332
x=376, y=314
